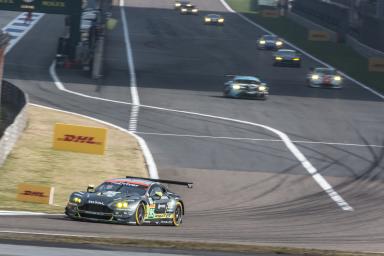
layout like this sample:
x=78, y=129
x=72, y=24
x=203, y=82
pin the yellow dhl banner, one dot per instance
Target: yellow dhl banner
x=35, y=193
x=270, y=13
x=376, y=65
x=317, y=35
x=76, y=138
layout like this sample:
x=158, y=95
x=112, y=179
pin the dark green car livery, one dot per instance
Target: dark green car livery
x=129, y=200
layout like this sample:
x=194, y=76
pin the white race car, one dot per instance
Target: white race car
x=324, y=77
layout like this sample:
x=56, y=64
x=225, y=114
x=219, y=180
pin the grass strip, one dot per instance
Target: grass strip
x=34, y=161
x=339, y=55
x=176, y=245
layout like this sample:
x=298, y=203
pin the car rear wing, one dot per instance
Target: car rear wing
x=181, y=183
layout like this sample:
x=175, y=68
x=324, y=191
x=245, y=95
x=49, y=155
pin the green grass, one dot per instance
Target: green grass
x=338, y=55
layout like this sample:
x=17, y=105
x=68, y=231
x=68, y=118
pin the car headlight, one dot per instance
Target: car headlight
x=236, y=87
x=194, y=10
x=262, y=42
x=221, y=20
x=76, y=200
x=177, y=4
x=315, y=77
x=183, y=10
x=262, y=88
x=279, y=43
x=121, y=205
x=207, y=19
x=296, y=59
x=337, y=78
x=278, y=58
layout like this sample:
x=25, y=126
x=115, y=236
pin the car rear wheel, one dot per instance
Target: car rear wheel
x=178, y=215
x=139, y=215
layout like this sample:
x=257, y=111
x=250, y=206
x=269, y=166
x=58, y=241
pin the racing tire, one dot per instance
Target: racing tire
x=140, y=214
x=178, y=215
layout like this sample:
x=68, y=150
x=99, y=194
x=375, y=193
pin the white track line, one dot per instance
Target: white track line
x=134, y=93
x=265, y=140
x=301, y=50
x=286, y=140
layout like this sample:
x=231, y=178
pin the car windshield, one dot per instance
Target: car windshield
x=326, y=71
x=246, y=81
x=287, y=53
x=213, y=16
x=270, y=37
x=125, y=188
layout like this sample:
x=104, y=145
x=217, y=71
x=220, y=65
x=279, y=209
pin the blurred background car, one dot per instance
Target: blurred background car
x=178, y=4
x=189, y=9
x=215, y=19
x=287, y=57
x=324, y=77
x=270, y=42
x=245, y=87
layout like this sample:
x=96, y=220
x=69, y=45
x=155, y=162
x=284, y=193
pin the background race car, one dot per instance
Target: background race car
x=129, y=200
x=324, y=77
x=189, y=9
x=286, y=57
x=214, y=19
x=181, y=3
x=270, y=42
x=245, y=87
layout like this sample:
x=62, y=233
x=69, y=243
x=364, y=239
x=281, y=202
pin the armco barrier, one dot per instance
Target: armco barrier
x=16, y=101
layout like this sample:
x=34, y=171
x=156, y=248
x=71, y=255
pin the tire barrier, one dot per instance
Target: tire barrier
x=14, y=113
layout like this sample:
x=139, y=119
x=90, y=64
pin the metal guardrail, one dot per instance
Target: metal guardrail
x=15, y=99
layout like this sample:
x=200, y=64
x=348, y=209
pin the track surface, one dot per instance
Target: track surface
x=246, y=191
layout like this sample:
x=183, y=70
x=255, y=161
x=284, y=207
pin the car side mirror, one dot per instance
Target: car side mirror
x=91, y=188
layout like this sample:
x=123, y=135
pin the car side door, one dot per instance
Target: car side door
x=160, y=199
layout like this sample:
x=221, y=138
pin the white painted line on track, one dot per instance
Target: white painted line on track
x=17, y=29
x=265, y=140
x=133, y=84
x=286, y=140
x=225, y=4
x=20, y=213
x=47, y=234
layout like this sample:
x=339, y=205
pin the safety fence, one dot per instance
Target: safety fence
x=13, y=105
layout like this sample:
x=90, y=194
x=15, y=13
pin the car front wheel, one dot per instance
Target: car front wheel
x=139, y=215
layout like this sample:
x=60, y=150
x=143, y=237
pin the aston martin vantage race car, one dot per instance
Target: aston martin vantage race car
x=270, y=42
x=213, y=19
x=286, y=57
x=324, y=77
x=129, y=200
x=189, y=9
x=245, y=87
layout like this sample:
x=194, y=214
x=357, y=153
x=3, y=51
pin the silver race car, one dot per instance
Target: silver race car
x=245, y=87
x=324, y=77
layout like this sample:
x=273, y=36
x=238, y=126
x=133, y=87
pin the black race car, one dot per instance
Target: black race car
x=215, y=19
x=129, y=200
x=189, y=9
x=286, y=57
